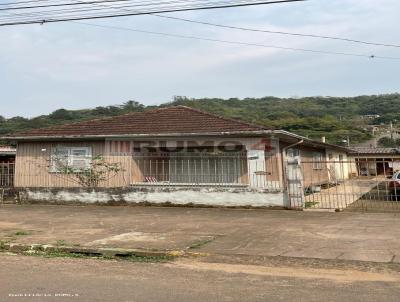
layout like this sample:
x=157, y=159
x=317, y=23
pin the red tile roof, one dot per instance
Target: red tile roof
x=169, y=120
x=370, y=150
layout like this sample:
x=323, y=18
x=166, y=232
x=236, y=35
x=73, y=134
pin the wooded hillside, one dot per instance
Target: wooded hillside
x=333, y=117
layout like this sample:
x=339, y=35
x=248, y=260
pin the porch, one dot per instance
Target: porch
x=206, y=169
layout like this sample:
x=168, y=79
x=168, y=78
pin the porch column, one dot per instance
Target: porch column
x=256, y=168
x=256, y=163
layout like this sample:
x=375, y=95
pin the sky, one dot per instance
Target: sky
x=75, y=66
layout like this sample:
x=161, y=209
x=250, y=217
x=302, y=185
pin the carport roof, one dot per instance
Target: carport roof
x=372, y=151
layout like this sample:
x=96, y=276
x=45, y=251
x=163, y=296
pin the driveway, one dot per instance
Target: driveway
x=346, y=235
x=343, y=195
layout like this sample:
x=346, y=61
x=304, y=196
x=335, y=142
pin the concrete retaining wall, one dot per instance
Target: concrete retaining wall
x=228, y=197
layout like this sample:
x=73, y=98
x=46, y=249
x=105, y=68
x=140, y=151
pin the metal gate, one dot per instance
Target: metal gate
x=294, y=179
x=363, y=184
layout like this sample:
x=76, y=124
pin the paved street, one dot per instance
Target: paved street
x=65, y=279
x=344, y=236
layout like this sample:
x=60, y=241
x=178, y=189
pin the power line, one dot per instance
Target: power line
x=239, y=42
x=44, y=17
x=66, y=4
x=275, y=32
x=278, y=32
x=205, y=6
x=23, y=2
x=59, y=4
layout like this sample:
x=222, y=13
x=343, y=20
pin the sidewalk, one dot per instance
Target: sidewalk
x=345, y=236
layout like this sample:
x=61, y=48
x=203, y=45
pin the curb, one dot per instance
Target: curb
x=101, y=252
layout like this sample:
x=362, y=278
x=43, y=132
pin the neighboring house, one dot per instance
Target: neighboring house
x=375, y=161
x=179, y=147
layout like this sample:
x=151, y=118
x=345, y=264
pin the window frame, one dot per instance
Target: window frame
x=317, y=160
x=70, y=158
x=191, y=168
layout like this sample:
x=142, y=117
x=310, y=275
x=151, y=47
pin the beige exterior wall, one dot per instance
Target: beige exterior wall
x=32, y=166
x=340, y=164
x=33, y=162
x=313, y=175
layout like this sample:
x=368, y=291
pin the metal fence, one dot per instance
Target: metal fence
x=367, y=184
x=205, y=169
x=7, y=175
x=191, y=168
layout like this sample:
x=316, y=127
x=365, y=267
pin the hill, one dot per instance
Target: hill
x=333, y=117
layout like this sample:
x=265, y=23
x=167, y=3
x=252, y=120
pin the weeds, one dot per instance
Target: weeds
x=310, y=204
x=62, y=242
x=200, y=243
x=130, y=258
x=22, y=233
x=2, y=245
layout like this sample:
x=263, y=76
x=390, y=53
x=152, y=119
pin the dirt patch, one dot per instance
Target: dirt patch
x=336, y=275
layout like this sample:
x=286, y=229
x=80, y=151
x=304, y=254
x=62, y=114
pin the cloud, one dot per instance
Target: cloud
x=71, y=65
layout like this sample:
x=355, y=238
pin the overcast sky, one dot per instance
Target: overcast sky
x=67, y=65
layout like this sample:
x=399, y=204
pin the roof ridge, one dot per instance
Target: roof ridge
x=132, y=121
x=221, y=117
x=78, y=122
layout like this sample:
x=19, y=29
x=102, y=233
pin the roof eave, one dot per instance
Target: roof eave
x=310, y=141
x=153, y=135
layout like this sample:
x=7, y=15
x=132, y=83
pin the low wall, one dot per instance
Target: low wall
x=225, y=197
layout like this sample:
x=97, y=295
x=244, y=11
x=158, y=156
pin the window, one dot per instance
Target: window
x=76, y=158
x=292, y=152
x=204, y=169
x=317, y=161
x=192, y=167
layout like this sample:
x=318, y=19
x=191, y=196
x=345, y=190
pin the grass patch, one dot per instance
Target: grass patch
x=3, y=245
x=310, y=204
x=22, y=233
x=130, y=258
x=5, y=241
x=62, y=242
x=55, y=254
x=149, y=259
x=199, y=243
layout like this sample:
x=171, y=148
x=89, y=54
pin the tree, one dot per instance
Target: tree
x=132, y=106
x=387, y=142
x=97, y=172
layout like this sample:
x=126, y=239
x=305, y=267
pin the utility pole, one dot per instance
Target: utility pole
x=391, y=130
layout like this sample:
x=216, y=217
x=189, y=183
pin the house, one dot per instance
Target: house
x=375, y=161
x=177, y=155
